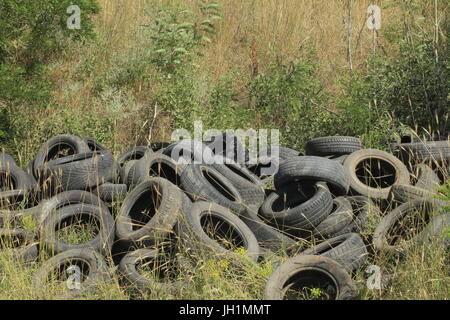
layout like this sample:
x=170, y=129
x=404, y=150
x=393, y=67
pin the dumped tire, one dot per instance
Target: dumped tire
x=363, y=211
x=189, y=151
x=6, y=160
x=162, y=200
x=130, y=263
x=404, y=193
x=159, y=146
x=332, y=146
x=413, y=216
x=110, y=192
x=228, y=146
x=426, y=178
x=306, y=272
x=59, y=146
x=14, y=178
x=154, y=164
x=20, y=243
x=348, y=250
x=81, y=171
x=211, y=228
x=64, y=199
x=94, y=145
x=438, y=151
x=313, y=168
x=124, y=170
x=340, y=217
x=202, y=182
x=305, y=207
x=373, y=172
x=135, y=153
x=91, y=264
x=97, y=217
x=436, y=229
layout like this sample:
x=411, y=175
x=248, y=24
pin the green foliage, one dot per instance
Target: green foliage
x=178, y=35
x=32, y=30
x=290, y=98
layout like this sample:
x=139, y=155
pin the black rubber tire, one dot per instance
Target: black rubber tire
x=283, y=276
x=436, y=229
x=348, y=250
x=97, y=270
x=159, y=146
x=438, y=151
x=335, y=145
x=127, y=268
x=66, y=198
x=384, y=229
x=403, y=193
x=144, y=169
x=304, y=211
x=20, y=244
x=160, y=226
x=48, y=149
x=231, y=169
x=268, y=237
x=283, y=152
x=338, y=219
x=313, y=168
x=189, y=151
x=81, y=171
x=358, y=187
x=6, y=160
x=363, y=210
x=135, y=153
x=340, y=159
x=16, y=178
x=193, y=235
x=219, y=145
x=202, y=182
x=102, y=242
x=426, y=178
x=124, y=170
x=94, y=145
x=110, y=192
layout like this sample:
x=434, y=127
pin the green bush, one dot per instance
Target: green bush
x=31, y=31
x=291, y=98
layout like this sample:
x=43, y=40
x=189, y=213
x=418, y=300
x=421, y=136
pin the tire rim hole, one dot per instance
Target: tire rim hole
x=145, y=207
x=376, y=173
x=222, y=232
x=310, y=285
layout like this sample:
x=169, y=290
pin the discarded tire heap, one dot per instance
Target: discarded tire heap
x=332, y=196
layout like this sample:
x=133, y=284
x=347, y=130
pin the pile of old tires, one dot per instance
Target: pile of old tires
x=331, y=210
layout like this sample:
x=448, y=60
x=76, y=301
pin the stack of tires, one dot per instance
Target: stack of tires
x=332, y=210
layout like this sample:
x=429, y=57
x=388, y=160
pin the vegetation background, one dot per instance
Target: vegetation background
x=138, y=69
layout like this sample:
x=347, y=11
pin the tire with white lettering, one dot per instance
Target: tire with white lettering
x=303, y=272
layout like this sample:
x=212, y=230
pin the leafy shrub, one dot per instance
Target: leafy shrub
x=179, y=34
x=291, y=98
